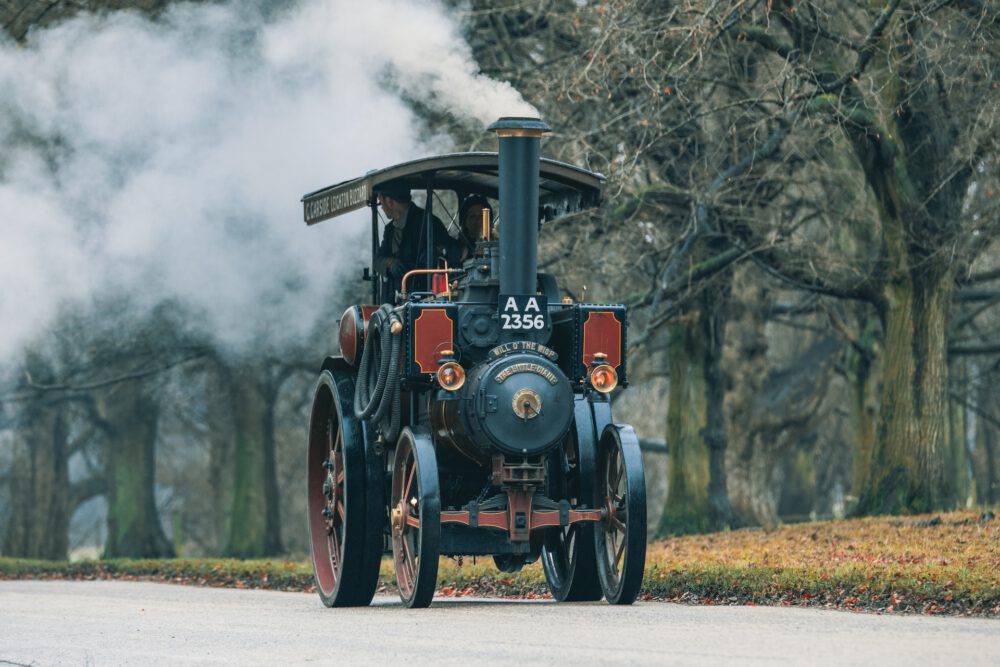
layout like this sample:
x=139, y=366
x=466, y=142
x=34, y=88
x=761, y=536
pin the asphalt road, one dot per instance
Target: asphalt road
x=113, y=623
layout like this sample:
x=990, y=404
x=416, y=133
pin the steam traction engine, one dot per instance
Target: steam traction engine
x=473, y=417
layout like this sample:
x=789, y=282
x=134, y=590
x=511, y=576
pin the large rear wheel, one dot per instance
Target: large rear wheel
x=568, y=557
x=415, y=508
x=336, y=496
x=620, y=538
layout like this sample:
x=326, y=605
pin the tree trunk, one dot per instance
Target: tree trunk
x=272, y=506
x=904, y=139
x=746, y=359
x=39, y=487
x=712, y=321
x=990, y=495
x=697, y=494
x=763, y=477
x=247, y=515
x=988, y=490
x=983, y=442
x=863, y=372
x=686, y=509
x=908, y=464
x=957, y=463
x=253, y=527
x=134, y=528
x=220, y=425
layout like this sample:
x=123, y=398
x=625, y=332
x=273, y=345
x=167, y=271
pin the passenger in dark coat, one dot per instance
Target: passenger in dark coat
x=470, y=217
x=404, y=240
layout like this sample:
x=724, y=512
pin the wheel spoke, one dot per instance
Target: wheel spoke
x=413, y=521
x=615, y=530
x=409, y=554
x=334, y=545
x=333, y=437
x=409, y=482
x=340, y=510
x=405, y=572
x=409, y=577
x=618, y=556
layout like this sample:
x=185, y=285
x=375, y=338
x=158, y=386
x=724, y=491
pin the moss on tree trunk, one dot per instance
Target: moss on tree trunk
x=247, y=522
x=909, y=461
x=957, y=469
x=697, y=498
x=686, y=507
x=254, y=526
x=134, y=529
x=863, y=375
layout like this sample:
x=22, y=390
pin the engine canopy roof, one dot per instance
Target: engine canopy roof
x=563, y=188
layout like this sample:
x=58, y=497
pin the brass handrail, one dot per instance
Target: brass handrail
x=415, y=272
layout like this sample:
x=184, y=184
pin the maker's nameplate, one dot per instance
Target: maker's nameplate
x=526, y=367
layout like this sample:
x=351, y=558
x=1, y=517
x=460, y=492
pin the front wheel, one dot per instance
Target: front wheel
x=620, y=538
x=416, y=518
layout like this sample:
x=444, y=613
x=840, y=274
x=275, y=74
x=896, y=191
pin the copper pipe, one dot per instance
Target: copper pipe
x=417, y=272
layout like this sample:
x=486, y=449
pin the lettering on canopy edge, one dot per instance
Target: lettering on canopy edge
x=336, y=202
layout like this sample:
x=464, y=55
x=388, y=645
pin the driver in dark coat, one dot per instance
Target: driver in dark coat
x=404, y=240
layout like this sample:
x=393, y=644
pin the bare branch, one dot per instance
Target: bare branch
x=34, y=389
x=974, y=350
x=983, y=277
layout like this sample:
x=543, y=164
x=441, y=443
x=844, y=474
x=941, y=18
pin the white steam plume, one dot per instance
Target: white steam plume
x=167, y=157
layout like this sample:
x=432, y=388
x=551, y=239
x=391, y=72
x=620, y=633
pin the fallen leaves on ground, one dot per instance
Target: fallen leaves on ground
x=938, y=564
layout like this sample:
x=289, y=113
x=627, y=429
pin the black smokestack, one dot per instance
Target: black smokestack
x=519, y=146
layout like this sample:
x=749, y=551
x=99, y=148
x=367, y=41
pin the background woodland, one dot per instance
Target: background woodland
x=801, y=214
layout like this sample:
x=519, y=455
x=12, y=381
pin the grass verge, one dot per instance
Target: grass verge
x=941, y=564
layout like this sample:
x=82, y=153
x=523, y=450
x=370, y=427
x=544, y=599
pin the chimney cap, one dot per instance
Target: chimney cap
x=520, y=125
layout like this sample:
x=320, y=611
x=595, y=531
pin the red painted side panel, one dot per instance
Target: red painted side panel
x=602, y=332
x=432, y=333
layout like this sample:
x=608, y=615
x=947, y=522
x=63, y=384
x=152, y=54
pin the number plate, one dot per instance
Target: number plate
x=523, y=313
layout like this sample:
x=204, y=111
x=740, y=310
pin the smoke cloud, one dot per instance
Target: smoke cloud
x=166, y=158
